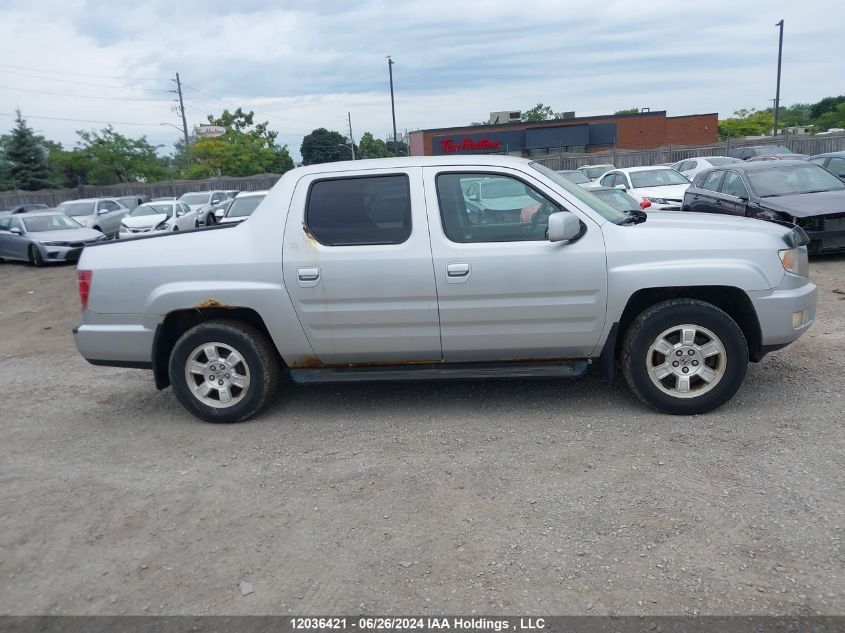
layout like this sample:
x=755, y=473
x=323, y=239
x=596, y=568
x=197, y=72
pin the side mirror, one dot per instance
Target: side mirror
x=474, y=197
x=563, y=226
x=219, y=213
x=15, y=230
x=621, y=187
x=103, y=211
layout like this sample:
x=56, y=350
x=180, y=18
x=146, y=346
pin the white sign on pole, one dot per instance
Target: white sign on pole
x=209, y=131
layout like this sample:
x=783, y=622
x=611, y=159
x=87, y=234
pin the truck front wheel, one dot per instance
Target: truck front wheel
x=684, y=356
x=224, y=371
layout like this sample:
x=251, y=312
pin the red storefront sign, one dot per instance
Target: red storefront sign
x=468, y=145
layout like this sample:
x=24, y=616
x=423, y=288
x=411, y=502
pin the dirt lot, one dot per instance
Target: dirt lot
x=489, y=497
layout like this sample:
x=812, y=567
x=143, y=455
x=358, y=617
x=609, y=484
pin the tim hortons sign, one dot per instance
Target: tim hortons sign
x=468, y=145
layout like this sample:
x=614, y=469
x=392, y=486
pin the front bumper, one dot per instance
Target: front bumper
x=60, y=253
x=785, y=312
x=826, y=241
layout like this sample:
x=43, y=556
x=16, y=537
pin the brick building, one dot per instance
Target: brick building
x=644, y=130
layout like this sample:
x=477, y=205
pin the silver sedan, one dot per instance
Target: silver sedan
x=40, y=238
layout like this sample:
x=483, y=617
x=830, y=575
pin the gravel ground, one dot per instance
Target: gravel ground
x=490, y=497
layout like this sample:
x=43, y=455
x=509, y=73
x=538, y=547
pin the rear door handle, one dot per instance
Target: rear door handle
x=457, y=272
x=308, y=277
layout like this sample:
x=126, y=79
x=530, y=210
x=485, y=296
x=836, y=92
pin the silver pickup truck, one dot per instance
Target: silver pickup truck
x=386, y=270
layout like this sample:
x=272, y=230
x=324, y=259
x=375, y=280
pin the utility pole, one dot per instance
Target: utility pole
x=351, y=138
x=182, y=111
x=777, y=92
x=392, y=103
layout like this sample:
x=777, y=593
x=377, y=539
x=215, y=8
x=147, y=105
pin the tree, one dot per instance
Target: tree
x=828, y=104
x=628, y=111
x=746, y=122
x=539, y=112
x=25, y=158
x=827, y=120
x=324, y=146
x=113, y=158
x=245, y=149
x=397, y=148
x=370, y=147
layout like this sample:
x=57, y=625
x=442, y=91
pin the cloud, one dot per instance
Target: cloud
x=305, y=65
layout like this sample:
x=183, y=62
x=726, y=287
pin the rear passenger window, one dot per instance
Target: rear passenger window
x=359, y=211
x=711, y=181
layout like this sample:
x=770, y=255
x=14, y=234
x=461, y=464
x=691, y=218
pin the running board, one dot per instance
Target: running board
x=442, y=371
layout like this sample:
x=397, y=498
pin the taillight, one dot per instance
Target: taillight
x=645, y=204
x=84, y=277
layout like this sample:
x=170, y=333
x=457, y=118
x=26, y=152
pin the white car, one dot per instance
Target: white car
x=655, y=188
x=165, y=215
x=241, y=207
x=689, y=167
x=594, y=172
x=205, y=203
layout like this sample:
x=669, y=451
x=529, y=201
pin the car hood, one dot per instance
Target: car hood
x=675, y=192
x=82, y=234
x=686, y=221
x=144, y=221
x=803, y=205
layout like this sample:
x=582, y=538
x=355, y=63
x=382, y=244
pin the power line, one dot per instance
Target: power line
x=66, y=81
x=62, y=72
x=231, y=102
x=54, y=118
x=65, y=94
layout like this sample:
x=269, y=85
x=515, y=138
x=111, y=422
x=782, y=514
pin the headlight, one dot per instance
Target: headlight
x=795, y=261
x=161, y=226
x=124, y=228
x=53, y=243
x=655, y=200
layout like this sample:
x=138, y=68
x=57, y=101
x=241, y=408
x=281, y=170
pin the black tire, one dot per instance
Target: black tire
x=35, y=257
x=210, y=220
x=175, y=228
x=644, y=332
x=258, y=355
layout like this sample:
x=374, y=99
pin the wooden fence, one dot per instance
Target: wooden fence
x=52, y=197
x=811, y=145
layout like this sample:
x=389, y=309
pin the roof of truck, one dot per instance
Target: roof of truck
x=413, y=161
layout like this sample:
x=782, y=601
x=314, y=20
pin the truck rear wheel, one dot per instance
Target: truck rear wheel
x=224, y=371
x=684, y=357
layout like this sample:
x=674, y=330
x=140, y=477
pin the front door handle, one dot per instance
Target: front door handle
x=308, y=277
x=457, y=272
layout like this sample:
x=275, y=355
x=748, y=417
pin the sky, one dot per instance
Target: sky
x=302, y=65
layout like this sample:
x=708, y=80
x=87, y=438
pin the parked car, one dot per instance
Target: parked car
x=167, y=215
x=744, y=153
x=689, y=167
x=26, y=208
x=662, y=187
x=205, y=203
x=100, y=214
x=790, y=192
x=617, y=198
x=132, y=202
x=834, y=162
x=780, y=157
x=575, y=175
x=593, y=172
x=346, y=273
x=241, y=207
x=40, y=238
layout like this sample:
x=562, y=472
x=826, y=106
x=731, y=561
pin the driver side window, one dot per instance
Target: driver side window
x=506, y=209
x=608, y=180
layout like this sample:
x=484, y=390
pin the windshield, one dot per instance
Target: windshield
x=500, y=188
x=242, y=207
x=57, y=222
x=617, y=199
x=153, y=209
x=781, y=181
x=595, y=172
x=718, y=161
x=575, y=176
x=599, y=206
x=657, y=178
x=76, y=208
x=195, y=198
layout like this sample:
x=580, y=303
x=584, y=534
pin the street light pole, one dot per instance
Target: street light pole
x=392, y=103
x=777, y=92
